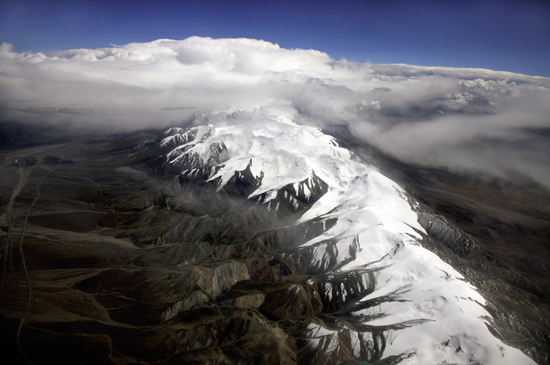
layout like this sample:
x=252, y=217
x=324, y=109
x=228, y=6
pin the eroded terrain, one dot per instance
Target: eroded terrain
x=127, y=263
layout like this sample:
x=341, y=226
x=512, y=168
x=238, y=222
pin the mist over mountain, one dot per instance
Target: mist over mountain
x=232, y=201
x=462, y=119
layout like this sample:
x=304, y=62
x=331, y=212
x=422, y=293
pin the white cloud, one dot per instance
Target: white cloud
x=466, y=119
x=133, y=84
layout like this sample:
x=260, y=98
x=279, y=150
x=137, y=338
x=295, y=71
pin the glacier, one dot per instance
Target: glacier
x=426, y=310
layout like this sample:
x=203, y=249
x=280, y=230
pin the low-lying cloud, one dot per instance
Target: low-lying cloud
x=464, y=119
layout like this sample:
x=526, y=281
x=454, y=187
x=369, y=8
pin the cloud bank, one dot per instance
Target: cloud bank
x=464, y=119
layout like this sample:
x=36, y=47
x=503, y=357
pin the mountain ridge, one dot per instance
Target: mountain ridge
x=170, y=261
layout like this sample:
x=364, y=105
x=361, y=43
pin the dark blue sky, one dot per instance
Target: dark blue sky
x=500, y=35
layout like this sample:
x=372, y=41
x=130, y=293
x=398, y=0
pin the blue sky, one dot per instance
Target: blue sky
x=499, y=35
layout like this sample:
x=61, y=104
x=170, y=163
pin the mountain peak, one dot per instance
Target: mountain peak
x=368, y=228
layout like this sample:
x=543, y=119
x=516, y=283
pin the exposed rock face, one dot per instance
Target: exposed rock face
x=208, y=254
x=293, y=299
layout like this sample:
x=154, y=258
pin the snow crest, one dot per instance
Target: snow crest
x=426, y=308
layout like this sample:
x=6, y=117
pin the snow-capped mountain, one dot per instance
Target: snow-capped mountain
x=246, y=234
x=381, y=290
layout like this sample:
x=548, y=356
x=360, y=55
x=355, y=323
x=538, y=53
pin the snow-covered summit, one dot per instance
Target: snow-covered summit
x=427, y=310
x=277, y=154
